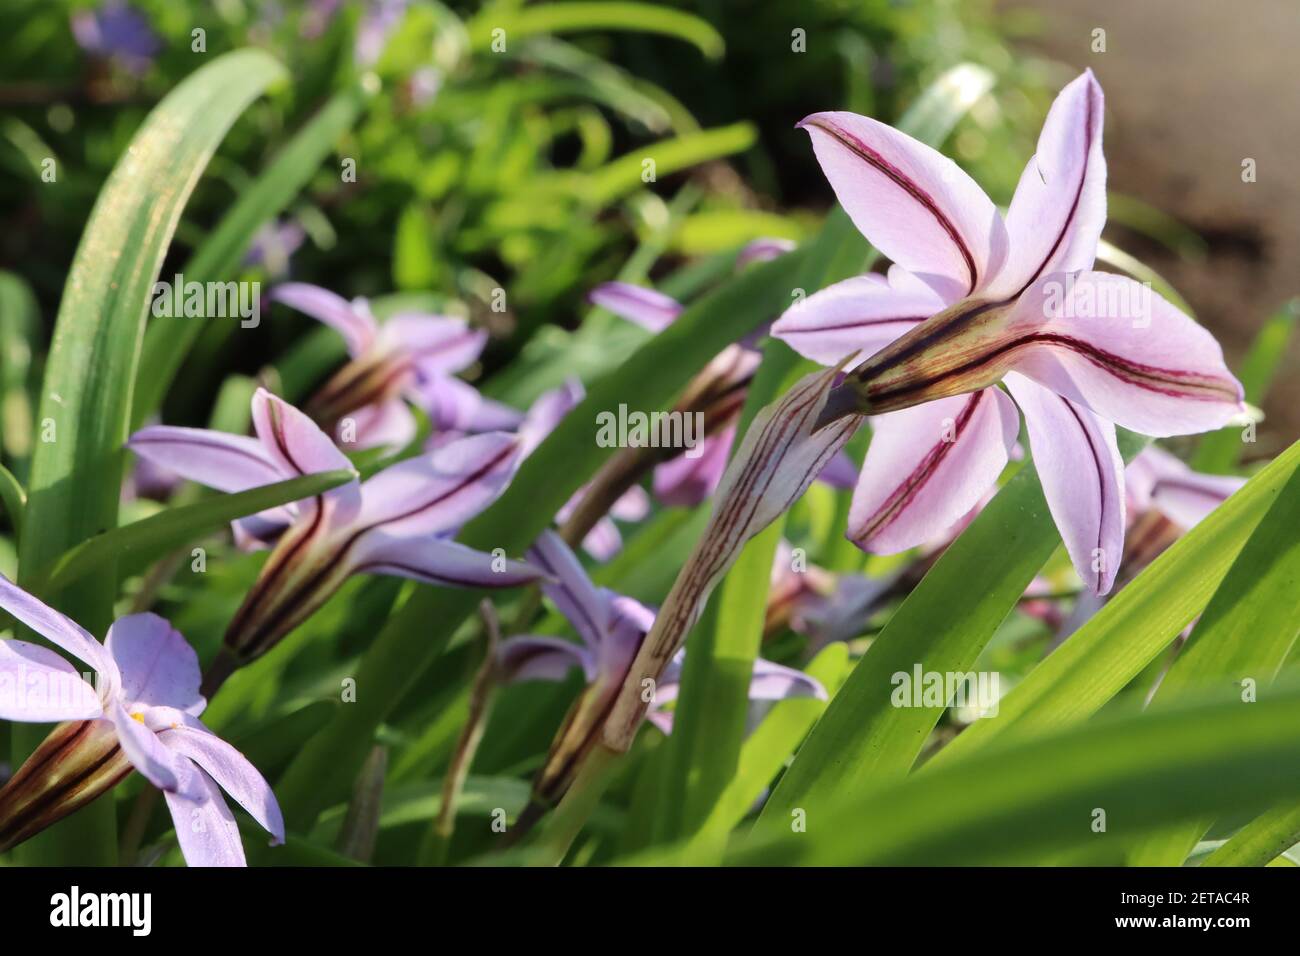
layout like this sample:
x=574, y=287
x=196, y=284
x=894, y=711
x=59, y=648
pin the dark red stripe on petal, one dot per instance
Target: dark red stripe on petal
x=853, y=324
x=379, y=567
x=915, y=482
x=1098, y=468
x=448, y=494
x=896, y=176
x=1078, y=196
x=1165, y=381
x=281, y=442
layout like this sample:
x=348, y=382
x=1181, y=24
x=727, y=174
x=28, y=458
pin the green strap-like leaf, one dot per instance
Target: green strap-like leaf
x=1096, y=787
x=1245, y=634
x=626, y=174
x=135, y=545
x=169, y=338
x=14, y=499
x=1096, y=662
x=767, y=749
x=517, y=25
x=19, y=320
x=1261, y=841
x=90, y=372
x=704, y=755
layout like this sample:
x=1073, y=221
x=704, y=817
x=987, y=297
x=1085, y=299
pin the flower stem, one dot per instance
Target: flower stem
x=437, y=842
x=571, y=815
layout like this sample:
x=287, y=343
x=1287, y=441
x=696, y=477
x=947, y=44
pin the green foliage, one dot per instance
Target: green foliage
x=509, y=157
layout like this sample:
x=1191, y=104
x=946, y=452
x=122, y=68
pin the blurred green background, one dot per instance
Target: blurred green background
x=478, y=168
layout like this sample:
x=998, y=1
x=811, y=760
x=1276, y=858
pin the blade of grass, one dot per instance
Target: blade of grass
x=168, y=339
x=624, y=175
x=703, y=761
x=14, y=499
x=1026, y=802
x=137, y=544
x=1137, y=624
x=516, y=25
x=766, y=751
x=19, y=321
x=1245, y=634
x=90, y=372
x=1261, y=841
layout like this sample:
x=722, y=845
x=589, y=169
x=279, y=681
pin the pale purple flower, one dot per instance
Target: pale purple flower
x=610, y=628
x=423, y=86
x=380, y=19
x=793, y=589
x=412, y=356
x=274, y=244
x=399, y=521
x=148, y=699
x=1037, y=603
x=719, y=392
x=604, y=540
x=455, y=407
x=1157, y=480
x=151, y=481
x=1165, y=499
x=973, y=300
x=763, y=250
x=119, y=32
x=317, y=17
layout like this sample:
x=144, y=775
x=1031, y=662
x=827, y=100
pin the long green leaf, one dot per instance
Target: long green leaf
x=90, y=373
x=1261, y=841
x=625, y=174
x=1027, y=802
x=702, y=762
x=1137, y=624
x=14, y=499
x=169, y=338
x=19, y=320
x=770, y=746
x=1245, y=634
x=135, y=545
x=516, y=25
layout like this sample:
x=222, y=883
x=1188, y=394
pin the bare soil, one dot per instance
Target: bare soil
x=1193, y=88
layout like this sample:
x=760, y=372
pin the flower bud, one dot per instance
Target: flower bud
x=369, y=380
x=77, y=762
x=962, y=349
